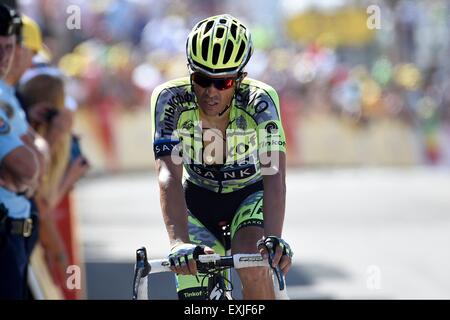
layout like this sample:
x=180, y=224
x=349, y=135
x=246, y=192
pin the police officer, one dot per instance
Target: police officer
x=28, y=44
x=18, y=176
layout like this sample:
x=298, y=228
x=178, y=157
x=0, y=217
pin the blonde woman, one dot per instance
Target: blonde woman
x=44, y=98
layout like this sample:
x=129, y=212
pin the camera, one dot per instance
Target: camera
x=75, y=150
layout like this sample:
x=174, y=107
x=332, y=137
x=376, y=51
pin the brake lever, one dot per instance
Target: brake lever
x=277, y=269
x=142, y=261
x=142, y=269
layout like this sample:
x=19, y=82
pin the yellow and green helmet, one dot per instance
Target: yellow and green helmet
x=219, y=45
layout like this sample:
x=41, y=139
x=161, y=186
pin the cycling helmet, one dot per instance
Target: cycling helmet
x=219, y=45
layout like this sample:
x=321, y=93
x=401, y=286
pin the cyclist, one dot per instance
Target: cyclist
x=225, y=131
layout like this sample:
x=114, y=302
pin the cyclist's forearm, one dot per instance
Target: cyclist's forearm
x=275, y=196
x=174, y=211
x=173, y=204
x=274, y=205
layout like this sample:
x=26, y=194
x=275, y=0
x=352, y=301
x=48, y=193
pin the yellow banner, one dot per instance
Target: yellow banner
x=343, y=27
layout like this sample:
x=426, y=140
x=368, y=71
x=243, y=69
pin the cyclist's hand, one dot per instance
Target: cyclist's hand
x=181, y=257
x=280, y=251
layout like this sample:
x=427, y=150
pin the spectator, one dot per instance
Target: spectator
x=18, y=176
x=44, y=98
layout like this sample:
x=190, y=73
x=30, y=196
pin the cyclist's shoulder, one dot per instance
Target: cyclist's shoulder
x=253, y=90
x=258, y=86
x=180, y=87
x=256, y=97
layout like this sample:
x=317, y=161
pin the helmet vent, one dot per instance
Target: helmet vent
x=194, y=44
x=228, y=52
x=199, y=24
x=233, y=30
x=219, y=33
x=223, y=21
x=208, y=26
x=240, y=52
x=205, y=46
x=216, y=53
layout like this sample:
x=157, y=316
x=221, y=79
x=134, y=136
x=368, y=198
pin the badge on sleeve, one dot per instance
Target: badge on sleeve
x=4, y=126
x=7, y=109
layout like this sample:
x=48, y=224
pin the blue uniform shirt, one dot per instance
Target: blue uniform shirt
x=12, y=108
x=18, y=206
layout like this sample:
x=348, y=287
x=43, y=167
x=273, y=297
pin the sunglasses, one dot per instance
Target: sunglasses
x=219, y=83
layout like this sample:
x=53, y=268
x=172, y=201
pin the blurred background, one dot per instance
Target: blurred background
x=365, y=99
x=350, y=95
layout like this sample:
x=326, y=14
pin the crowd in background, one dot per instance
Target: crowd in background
x=123, y=49
x=40, y=164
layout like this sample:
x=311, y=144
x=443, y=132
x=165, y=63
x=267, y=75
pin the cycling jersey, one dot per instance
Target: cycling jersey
x=253, y=131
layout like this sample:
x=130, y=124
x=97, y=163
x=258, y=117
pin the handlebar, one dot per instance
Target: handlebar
x=205, y=263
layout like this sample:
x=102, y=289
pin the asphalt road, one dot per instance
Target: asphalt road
x=356, y=233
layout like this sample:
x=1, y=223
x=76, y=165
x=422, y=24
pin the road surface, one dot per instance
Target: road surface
x=363, y=233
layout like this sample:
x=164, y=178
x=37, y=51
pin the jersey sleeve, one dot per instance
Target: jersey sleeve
x=164, y=122
x=8, y=139
x=270, y=130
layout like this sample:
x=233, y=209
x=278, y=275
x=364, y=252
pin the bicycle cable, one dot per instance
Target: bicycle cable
x=216, y=274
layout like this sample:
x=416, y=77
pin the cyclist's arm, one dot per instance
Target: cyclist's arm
x=164, y=125
x=173, y=204
x=272, y=156
x=274, y=194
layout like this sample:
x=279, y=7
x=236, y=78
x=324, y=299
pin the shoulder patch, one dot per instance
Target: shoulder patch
x=4, y=126
x=7, y=109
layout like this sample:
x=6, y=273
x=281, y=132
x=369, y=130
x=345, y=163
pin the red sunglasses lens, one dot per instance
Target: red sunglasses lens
x=224, y=84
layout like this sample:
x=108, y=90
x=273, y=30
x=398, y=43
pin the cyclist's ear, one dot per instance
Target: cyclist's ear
x=242, y=76
x=239, y=79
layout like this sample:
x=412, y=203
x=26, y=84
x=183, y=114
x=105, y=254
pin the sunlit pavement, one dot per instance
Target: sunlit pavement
x=356, y=233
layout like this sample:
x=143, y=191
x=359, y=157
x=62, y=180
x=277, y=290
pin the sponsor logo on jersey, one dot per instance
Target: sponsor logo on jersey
x=226, y=173
x=272, y=143
x=241, y=123
x=188, y=125
x=180, y=99
x=271, y=128
x=174, y=104
x=169, y=121
x=165, y=148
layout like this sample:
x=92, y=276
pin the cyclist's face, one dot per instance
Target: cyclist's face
x=213, y=93
x=7, y=45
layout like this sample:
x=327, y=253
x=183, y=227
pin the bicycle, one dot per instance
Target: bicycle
x=213, y=265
